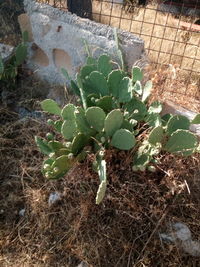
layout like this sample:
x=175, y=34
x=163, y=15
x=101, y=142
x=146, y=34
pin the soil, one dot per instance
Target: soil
x=122, y=231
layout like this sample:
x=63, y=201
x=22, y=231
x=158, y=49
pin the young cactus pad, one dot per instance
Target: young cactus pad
x=137, y=74
x=125, y=90
x=68, y=112
x=114, y=80
x=96, y=117
x=113, y=122
x=43, y=146
x=123, y=139
x=99, y=83
x=69, y=129
x=156, y=135
x=51, y=106
x=104, y=65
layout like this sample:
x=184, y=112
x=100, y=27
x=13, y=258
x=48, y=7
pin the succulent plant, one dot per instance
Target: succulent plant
x=113, y=113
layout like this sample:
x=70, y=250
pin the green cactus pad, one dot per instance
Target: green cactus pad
x=98, y=83
x=86, y=70
x=137, y=74
x=125, y=93
x=55, y=145
x=123, y=139
x=96, y=117
x=78, y=143
x=20, y=54
x=141, y=160
x=43, y=146
x=65, y=74
x=177, y=122
x=127, y=125
x=156, y=135
x=113, y=122
x=69, y=129
x=182, y=142
x=62, y=151
x=63, y=165
x=47, y=162
x=75, y=88
x=106, y=103
x=91, y=61
x=165, y=118
x=114, y=80
x=136, y=108
x=147, y=90
x=196, y=119
x=51, y=106
x=81, y=122
x=104, y=65
x=68, y=111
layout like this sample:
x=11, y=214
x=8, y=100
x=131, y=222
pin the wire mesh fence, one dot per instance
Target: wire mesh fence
x=171, y=32
x=170, y=29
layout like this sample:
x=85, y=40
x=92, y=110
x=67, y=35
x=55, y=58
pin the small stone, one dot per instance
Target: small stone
x=53, y=198
x=83, y=264
x=182, y=232
x=22, y=212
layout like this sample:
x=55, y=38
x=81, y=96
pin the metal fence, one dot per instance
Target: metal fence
x=170, y=29
x=171, y=32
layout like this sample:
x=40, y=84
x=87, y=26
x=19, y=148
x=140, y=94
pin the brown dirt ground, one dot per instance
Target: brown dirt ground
x=122, y=231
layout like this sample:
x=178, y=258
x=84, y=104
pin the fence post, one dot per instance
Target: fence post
x=82, y=8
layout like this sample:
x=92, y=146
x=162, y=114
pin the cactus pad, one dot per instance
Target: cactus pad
x=51, y=106
x=123, y=139
x=113, y=122
x=182, y=142
x=177, y=122
x=137, y=74
x=96, y=117
x=156, y=135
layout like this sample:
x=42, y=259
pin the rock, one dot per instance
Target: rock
x=180, y=234
x=6, y=51
x=22, y=212
x=83, y=264
x=53, y=198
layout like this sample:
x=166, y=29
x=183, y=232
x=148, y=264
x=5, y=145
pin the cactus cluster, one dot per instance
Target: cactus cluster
x=113, y=113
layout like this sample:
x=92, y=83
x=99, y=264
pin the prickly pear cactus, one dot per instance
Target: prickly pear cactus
x=113, y=113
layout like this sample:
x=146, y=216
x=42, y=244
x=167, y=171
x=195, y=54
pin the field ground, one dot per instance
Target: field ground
x=123, y=231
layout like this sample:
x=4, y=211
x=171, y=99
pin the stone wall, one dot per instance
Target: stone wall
x=56, y=40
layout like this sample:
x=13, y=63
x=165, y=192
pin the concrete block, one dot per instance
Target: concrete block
x=60, y=36
x=25, y=25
